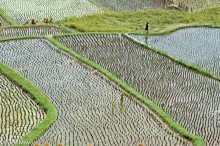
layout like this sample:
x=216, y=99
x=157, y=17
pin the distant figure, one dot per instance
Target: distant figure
x=33, y=21
x=146, y=28
x=46, y=20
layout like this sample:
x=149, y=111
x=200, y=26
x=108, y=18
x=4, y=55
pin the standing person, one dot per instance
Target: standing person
x=146, y=28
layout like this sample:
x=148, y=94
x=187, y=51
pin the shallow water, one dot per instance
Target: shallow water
x=198, y=46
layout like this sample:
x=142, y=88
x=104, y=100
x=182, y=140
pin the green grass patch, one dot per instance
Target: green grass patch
x=160, y=21
x=7, y=18
x=39, y=97
x=198, y=141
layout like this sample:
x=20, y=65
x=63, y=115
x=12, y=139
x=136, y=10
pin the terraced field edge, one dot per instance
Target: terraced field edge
x=179, y=61
x=197, y=141
x=7, y=18
x=82, y=33
x=173, y=29
x=68, y=30
x=40, y=98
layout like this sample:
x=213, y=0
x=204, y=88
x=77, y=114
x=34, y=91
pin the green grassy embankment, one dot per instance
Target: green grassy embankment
x=160, y=21
x=7, y=18
x=39, y=97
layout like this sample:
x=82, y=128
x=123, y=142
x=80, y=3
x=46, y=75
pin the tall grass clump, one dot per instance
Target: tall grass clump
x=159, y=20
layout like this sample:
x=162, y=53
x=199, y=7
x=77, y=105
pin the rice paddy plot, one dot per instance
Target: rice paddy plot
x=24, y=10
x=198, y=46
x=9, y=32
x=191, y=99
x=19, y=113
x=120, y=5
x=90, y=107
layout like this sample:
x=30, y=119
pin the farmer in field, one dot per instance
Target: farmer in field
x=146, y=28
x=33, y=21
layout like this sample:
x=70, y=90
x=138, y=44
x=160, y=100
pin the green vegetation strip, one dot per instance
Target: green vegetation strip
x=179, y=61
x=7, y=18
x=82, y=33
x=160, y=21
x=39, y=97
x=198, y=141
x=192, y=25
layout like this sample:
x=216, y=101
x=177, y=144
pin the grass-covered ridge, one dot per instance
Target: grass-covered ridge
x=198, y=141
x=40, y=98
x=7, y=18
x=160, y=21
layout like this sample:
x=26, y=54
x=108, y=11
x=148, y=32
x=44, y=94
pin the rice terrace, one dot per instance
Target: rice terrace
x=109, y=73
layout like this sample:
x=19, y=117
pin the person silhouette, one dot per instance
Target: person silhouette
x=146, y=28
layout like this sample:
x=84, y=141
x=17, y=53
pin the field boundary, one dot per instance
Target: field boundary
x=198, y=141
x=66, y=29
x=144, y=34
x=7, y=18
x=87, y=33
x=189, y=66
x=39, y=97
x=192, y=25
